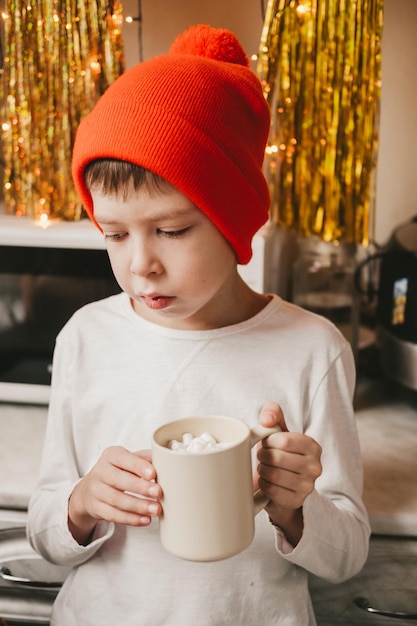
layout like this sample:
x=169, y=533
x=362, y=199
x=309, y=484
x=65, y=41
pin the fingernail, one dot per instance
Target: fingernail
x=154, y=490
x=153, y=509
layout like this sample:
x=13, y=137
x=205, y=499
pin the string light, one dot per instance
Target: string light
x=60, y=56
x=320, y=67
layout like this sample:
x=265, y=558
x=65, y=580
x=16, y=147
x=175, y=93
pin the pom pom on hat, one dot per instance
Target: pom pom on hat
x=197, y=118
x=218, y=44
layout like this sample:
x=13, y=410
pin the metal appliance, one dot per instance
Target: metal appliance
x=396, y=313
x=28, y=584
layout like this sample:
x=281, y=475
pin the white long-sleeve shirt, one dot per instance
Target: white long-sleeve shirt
x=118, y=377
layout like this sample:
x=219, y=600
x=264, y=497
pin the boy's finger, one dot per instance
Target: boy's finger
x=271, y=415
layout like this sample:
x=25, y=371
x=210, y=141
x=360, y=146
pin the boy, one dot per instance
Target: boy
x=169, y=167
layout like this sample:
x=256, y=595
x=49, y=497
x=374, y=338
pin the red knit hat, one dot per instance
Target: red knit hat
x=197, y=118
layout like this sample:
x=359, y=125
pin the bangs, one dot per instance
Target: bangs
x=114, y=177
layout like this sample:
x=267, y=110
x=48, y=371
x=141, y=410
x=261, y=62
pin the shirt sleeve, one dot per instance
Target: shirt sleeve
x=50, y=536
x=335, y=539
x=47, y=528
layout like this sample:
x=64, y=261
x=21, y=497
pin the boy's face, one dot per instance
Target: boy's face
x=166, y=254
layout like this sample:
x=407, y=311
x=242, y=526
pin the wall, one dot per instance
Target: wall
x=397, y=168
x=396, y=179
x=163, y=20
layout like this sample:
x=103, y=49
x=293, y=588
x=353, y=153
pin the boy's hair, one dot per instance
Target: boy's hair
x=115, y=178
x=197, y=118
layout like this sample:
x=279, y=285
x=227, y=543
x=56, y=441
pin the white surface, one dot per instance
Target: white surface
x=396, y=173
x=24, y=231
x=262, y=273
x=388, y=433
x=22, y=392
x=22, y=429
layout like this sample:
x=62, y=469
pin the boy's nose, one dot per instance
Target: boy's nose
x=144, y=261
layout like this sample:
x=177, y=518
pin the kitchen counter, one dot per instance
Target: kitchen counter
x=22, y=431
x=386, y=417
x=387, y=424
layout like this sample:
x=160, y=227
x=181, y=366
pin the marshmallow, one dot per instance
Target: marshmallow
x=197, y=445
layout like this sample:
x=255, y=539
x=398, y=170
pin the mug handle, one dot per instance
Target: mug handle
x=258, y=433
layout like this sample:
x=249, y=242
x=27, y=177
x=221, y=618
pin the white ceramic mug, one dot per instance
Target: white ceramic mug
x=208, y=500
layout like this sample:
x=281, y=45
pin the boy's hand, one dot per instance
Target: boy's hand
x=106, y=493
x=289, y=465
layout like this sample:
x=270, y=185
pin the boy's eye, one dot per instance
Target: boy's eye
x=115, y=236
x=173, y=233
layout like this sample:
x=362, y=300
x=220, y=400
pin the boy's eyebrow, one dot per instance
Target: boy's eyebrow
x=169, y=214
x=108, y=222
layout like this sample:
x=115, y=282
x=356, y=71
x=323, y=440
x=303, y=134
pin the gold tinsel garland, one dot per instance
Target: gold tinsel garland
x=60, y=56
x=320, y=65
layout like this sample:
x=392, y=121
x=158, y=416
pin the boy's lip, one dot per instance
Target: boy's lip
x=156, y=301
